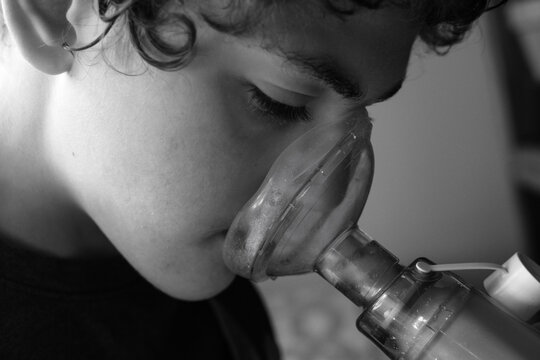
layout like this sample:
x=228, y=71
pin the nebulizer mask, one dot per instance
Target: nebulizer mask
x=304, y=219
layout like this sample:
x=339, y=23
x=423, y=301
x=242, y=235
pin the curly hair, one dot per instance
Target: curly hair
x=443, y=22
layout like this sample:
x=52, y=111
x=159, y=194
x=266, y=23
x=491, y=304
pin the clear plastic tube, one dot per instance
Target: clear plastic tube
x=421, y=312
x=435, y=316
x=357, y=266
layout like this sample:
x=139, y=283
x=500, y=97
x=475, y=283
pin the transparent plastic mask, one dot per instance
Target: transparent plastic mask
x=314, y=191
x=303, y=219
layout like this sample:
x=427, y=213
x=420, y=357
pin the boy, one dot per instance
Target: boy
x=163, y=122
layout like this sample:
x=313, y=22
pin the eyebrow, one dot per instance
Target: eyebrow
x=326, y=70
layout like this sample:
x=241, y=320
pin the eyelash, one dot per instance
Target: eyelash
x=284, y=114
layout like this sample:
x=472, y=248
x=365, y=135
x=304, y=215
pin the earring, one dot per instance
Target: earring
x=66, y=46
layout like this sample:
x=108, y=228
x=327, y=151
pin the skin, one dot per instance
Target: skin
x=155, y=166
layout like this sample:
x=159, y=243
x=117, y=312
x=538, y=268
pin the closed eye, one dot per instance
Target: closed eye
x=280, y=113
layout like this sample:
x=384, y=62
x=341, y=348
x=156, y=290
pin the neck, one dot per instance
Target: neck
x=36, y=208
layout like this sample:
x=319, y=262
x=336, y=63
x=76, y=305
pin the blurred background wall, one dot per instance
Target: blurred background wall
x=443, y=185
x=443, y=189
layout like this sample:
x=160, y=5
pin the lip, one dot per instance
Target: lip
x=216, y=231
x=223, y=234
x=219, y=235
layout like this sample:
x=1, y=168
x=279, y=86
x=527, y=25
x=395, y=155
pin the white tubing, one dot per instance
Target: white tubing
x=425, y=267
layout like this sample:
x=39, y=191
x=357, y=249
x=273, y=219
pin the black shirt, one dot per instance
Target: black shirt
x=54, y=308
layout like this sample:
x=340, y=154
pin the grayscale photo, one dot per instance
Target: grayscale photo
x=269, y=179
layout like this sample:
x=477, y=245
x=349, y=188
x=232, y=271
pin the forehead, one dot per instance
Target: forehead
x=372, y=47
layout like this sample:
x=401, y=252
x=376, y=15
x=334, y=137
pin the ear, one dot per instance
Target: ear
x=40, y=27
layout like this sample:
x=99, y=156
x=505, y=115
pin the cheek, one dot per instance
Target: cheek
x=178, y=174
x=162, y=175
x=170, y=165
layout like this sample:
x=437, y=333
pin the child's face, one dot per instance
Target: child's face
x=163, y=161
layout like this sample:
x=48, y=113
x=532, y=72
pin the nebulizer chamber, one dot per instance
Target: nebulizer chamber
x=304, y=219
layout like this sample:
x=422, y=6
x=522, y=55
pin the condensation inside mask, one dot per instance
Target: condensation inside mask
x=315, y=190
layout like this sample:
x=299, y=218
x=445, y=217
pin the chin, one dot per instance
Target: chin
x=201, y=288
x=186, y=271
